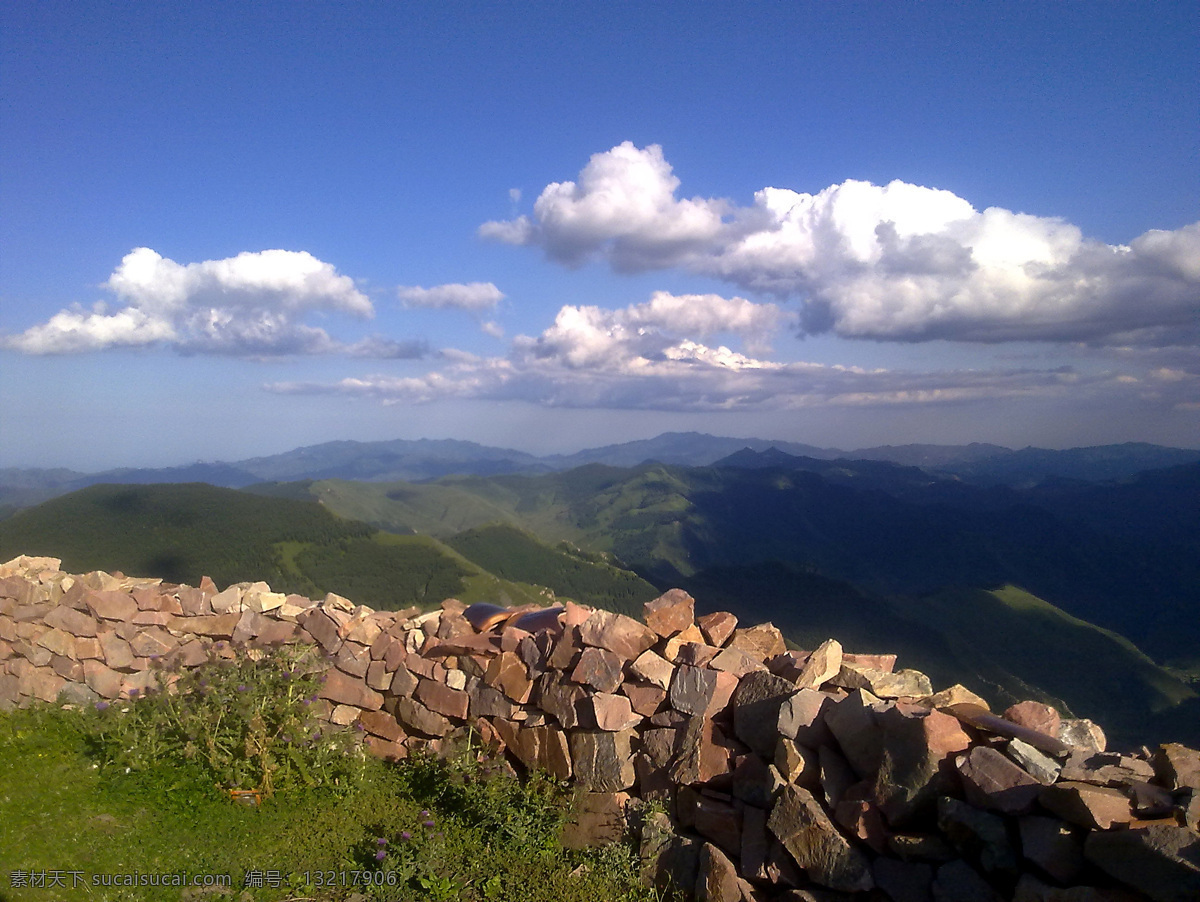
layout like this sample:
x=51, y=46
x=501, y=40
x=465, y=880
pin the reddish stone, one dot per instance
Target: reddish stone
x=1035, y=716
x=153, y=642
x=340, y=688
x=914, y=768
x=715, y=817
x=420, y=719
x=442, y=699
x=717, y=628
x=599, y=669
x=322, y=627
x=276, y=632
x=653, y=668
x=111, y=605
x=41, y=683
x=388, y=751
x=701, y=753
x=623, y=636
x=992, y=781
x=823, y=664
x=670, y=613
x=560, y=699
x=723, y=690
x=759, y=642
x=508, y=674
x=353, y=659
x=612, y=713
x=735, y=661
x=67, y=668
x=815, y=843
x=645, y=700
x=72, y=621
x=1095, y=807
x=117, y=653
x=381, y=724
x=57, y=642
x=1054, y=846
x=218, y=626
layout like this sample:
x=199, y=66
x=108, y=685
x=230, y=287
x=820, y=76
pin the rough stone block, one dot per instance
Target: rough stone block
x=602, y=761
x=716, y=628
x=598, y=668
x=670, y=613
x=816, y=845
x=623, y=636
x=343, y=689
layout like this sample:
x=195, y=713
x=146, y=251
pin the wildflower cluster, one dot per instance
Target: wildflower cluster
x=245, y=719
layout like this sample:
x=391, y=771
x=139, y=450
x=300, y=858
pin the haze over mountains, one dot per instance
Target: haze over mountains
x=427, y=459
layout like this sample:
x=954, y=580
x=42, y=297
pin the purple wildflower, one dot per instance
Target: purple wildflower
x=380, y=855
x=381, y=841
x=429, y=824
x=405, y=835
x=101, y=706
x=242, y=688
x=134, y=693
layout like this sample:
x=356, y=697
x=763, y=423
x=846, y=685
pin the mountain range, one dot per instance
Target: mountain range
x=1068, y=576
x=428, y=459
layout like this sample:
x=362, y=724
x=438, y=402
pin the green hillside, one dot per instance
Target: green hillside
x=671, y=523
x=516, y=555
x=182, y=532
x=1005, y=644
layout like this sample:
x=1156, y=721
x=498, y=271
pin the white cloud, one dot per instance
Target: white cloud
x=624, y=205
x=894, y=262
x=253, y=304
x=595, y=337
x=644, y=357
x=473, y=296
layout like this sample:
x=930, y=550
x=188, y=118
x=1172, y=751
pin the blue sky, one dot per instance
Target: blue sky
x=228, y=230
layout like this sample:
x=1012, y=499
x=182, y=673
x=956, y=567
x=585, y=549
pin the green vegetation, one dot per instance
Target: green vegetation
x=177, y=532
x=516, y=555
x=138, y=802
x=241, y=722
x=180, y=533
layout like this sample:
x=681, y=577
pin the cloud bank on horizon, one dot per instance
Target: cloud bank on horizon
x=898, y=262
x=892, y=263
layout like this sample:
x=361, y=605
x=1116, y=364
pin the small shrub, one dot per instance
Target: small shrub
x=245, y=722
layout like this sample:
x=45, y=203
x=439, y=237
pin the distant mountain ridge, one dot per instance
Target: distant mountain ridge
x=423, y=460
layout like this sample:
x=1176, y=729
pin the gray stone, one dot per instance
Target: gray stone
x=717, y=879
x=692, y=689
x=1038, y=765
x=1161, y=861
x=978, y=835
x=799, y=822
x=957, y=881
x=756, y=710
x=602, y=761
x=1054, y=846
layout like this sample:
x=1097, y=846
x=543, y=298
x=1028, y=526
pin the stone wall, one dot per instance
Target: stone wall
x=782, y=774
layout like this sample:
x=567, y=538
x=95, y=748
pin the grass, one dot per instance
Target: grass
x=81, y=800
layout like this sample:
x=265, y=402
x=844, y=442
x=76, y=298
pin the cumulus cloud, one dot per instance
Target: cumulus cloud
x=253, y=304
x=893, y=262
x=622, y=205
x=473, y=296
